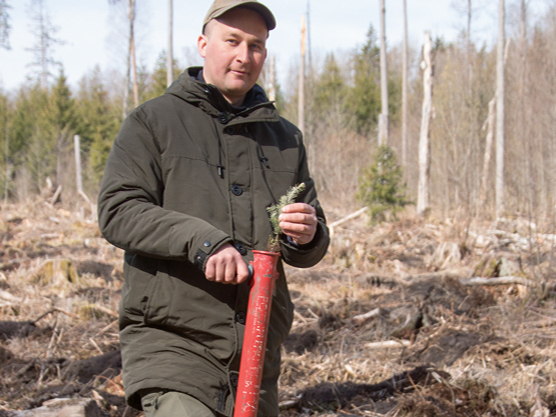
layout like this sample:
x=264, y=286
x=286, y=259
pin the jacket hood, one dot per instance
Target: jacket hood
x=206, y=96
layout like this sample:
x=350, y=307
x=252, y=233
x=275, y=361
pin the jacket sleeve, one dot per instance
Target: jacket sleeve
x=130, y=204
x=306, y=256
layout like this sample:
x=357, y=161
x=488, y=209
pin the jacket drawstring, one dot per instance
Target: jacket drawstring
x=262, y=157
x=264, y=160
x=219, y=168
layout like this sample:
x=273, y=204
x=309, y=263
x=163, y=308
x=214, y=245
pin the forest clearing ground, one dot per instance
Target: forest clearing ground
x=388, y=324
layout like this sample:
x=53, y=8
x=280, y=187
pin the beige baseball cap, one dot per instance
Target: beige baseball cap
x=219, y=7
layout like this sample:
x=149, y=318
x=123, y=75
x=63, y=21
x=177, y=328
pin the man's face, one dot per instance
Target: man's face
x=233, y=47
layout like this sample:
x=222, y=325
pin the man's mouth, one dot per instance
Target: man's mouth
x=239, y=72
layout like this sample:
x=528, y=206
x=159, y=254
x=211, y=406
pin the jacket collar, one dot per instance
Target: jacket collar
x=191, y=87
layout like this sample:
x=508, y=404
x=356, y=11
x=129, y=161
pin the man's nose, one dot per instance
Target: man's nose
x=243, y=53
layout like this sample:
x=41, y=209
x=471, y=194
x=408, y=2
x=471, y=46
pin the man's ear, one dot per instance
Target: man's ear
x=202, y=45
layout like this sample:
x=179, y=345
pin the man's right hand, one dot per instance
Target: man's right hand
x=226, y=266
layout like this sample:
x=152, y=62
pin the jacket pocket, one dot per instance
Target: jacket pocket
x=180, y=298
x=139, y=275
x=158, y=297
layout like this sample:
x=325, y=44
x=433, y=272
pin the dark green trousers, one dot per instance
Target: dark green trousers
x=173, y=404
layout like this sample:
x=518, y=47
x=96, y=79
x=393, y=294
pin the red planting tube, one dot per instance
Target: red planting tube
x=256, y=329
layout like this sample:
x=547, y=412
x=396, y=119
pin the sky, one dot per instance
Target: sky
x=92, y=34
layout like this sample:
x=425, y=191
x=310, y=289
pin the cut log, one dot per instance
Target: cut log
x=362, y=318
x=388, y=344
x=349, y=217
x=345, y=219
x=508, y=280
x=54, y=199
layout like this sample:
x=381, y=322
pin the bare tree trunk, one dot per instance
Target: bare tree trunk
x=77, y=152
x=424, y=138
x=7, y=160
x=133, y=54
x=468, y=41
x=131, y=63
x=488, y=148
x=170, y=54
x=523, y=24
x=272, y=81
x=309, y=56
x=471, y=177
x=383, y=123
x=127, y=75
x=301, y=93
x=125, y=98
x=500, y=87
x=61, y=140
x=43, y=30
x=44, y=37
x=523, y=131
x=404, y=86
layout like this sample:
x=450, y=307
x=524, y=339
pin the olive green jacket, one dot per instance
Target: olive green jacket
x=186, y=174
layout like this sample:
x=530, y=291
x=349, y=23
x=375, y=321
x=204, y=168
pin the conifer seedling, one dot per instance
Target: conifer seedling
x=275, y=211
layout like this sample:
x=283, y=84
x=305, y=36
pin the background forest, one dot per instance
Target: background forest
x=342, y=104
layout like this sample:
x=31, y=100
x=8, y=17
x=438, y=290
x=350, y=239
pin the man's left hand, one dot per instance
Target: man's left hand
x=299, y=222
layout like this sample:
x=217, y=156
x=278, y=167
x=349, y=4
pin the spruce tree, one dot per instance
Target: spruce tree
x=62, y=119
x=158, y=80
x=98, y=121
x=381, y=188
x=364, y=98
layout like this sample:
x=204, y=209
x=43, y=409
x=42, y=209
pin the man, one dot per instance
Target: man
x=185, y=193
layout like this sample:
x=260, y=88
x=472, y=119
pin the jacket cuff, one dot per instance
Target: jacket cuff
x=306, y=256
x=206, y=249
